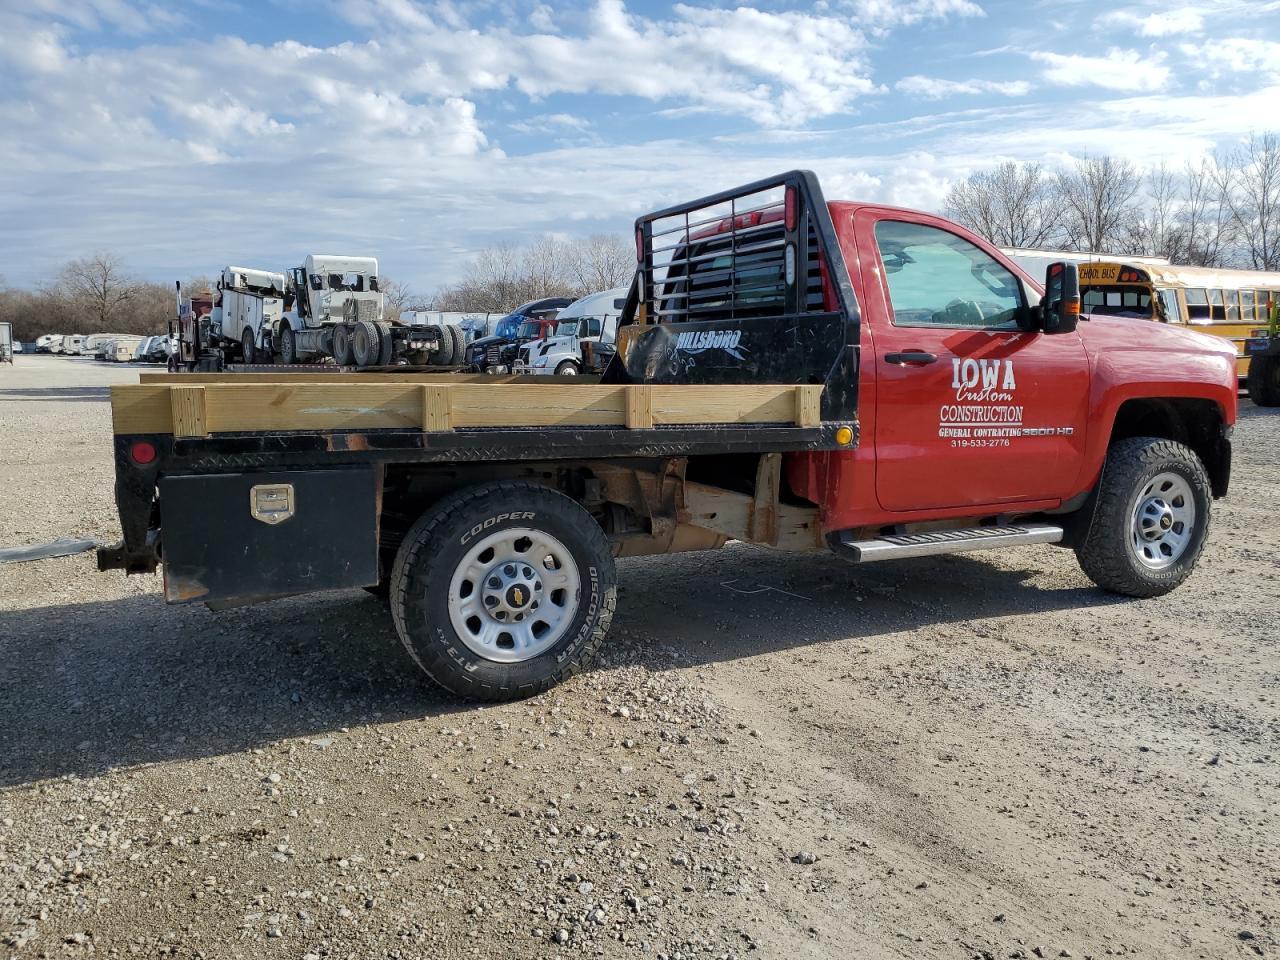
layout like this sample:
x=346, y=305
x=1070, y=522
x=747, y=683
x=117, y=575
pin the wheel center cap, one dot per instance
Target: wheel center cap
x=518, y=595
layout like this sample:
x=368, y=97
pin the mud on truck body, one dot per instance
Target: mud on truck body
x=804, y=375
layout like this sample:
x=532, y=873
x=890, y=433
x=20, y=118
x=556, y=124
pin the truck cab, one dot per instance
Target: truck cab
x=496, y=353
x=331, y=289
x=590, y=319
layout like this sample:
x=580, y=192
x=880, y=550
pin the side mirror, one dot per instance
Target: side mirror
x=1060, y=304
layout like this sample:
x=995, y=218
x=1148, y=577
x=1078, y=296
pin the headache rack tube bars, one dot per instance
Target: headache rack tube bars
x=753, y=289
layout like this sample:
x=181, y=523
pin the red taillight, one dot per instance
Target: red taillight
x=789, y=209
x=639, y=245
x=142, y=452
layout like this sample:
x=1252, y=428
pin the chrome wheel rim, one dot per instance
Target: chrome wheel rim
x=514, y=594
x=1163, y=521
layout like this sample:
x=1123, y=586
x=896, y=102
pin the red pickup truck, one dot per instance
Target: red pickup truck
x=792, y=372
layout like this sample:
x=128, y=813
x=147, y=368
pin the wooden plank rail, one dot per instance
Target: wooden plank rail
x=188, y=409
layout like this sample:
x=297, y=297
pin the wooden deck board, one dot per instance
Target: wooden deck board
x=186, y=407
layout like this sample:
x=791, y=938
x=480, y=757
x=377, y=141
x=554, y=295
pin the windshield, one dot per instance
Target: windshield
x=508, y=326
x=1116, y=300
x=353, y=282
x=529, y=329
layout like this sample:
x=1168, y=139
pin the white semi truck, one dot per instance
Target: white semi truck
x=336, y=310
x=331, y=306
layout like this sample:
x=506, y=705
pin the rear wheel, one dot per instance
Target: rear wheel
x=366, y=343
x=445, y=352
x=1264, y=380
x=1150, y=520
x=459, y=343
x=503, y=590
x=342, y=345
x=386, y=345
x=247, y=351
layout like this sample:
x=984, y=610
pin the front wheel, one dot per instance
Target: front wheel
x=567, y=368
x=1263, y=381
x=288, y=346
x=1150, y=520
x=503, y=590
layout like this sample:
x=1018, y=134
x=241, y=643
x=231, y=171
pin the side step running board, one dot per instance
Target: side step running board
x=947, y=541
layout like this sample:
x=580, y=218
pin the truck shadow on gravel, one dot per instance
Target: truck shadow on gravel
x=93, y=686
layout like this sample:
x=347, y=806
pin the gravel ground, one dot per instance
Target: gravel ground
x=777, y=757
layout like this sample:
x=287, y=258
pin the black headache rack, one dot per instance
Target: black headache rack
x=744, y=286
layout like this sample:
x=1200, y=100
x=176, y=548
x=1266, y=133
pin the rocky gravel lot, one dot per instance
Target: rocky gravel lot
x=979, y=756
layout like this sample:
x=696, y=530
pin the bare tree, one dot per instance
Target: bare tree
x=100, y=287
x=1098, y=194
x=500, y=278
x=601, y=261
x=395, y=298
x=1253, y=195
x=1159, y=224
x=544, y=269
x=1011, y=205
x=1203, y=229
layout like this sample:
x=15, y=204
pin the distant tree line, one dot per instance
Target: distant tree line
x=1223, y=211
x=93, y=295
x=502, y=277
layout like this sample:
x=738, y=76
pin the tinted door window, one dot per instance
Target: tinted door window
x=937, y=279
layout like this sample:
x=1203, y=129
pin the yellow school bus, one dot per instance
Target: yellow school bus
x=1234, y=304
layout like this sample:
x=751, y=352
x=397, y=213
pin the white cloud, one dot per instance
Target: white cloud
x=1162, y=23
x=935, y=88
x=1238, y=55
x=184, y=152
x=552, y=123
x=1128, y=70
x=895, y=13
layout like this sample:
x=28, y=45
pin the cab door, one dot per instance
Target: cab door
x=971, y=410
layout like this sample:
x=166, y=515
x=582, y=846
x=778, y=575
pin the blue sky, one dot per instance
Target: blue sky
x=185, y=136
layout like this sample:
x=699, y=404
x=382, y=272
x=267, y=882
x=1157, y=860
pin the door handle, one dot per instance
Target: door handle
x=916, y=357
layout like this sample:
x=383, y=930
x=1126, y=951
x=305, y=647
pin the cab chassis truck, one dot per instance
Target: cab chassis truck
x=809, y=376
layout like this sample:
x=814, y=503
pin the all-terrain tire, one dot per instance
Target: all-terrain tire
x=1108, y=554
x=431, y=553
x=1263, y=381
